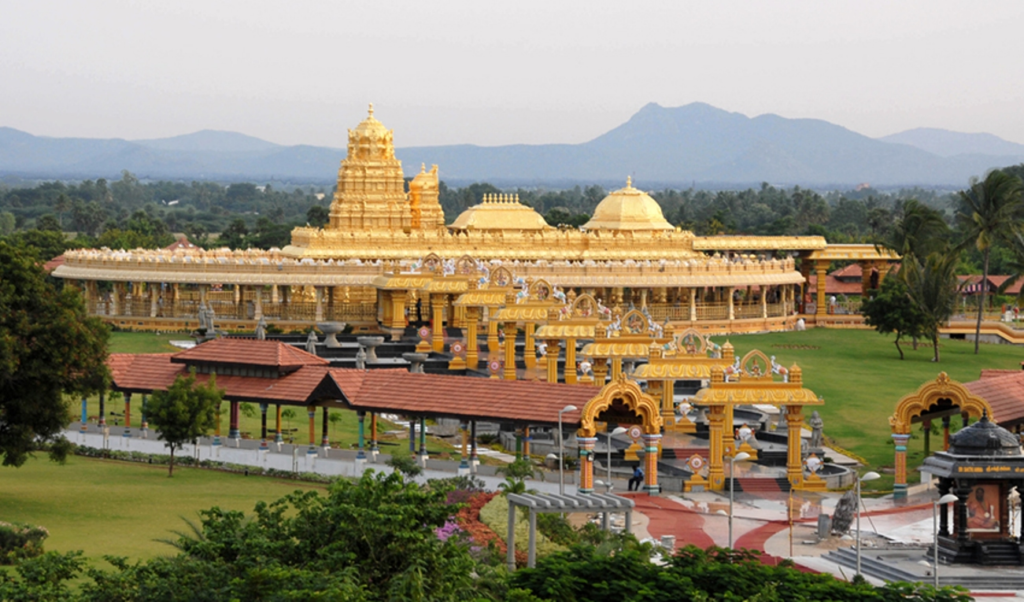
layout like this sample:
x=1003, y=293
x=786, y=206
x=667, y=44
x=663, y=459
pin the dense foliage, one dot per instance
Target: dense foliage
x=49, y=347
x=184, y=412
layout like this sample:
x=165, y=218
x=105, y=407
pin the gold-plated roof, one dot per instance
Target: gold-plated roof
x=673, y=371
x=617, y=349
x=837, y=252
x=768, y=393
x=565, y=331
x=758, y=243
x=500, y=212
x=402, y=282
x=370, y=127
x=483, y=298
x=628, y=209
x=522, y=313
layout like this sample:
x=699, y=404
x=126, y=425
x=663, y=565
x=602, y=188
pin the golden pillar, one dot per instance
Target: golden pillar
x=600, y=368
x=716, y=459
x=492, y=336
x=821, y=307
x=668, y=405
x=510, y=351
x=731, y=291
x=693, y=305
x=570, y=362
x=553, y=348
x=529, y=350
x=472, y=353
x=154, y=297
x=398, y=310
x=437, y=322
x=794, y=456
x=764, y=302
x=616, y=367
x=900, y=484
x=651, y=441
x=865, y=277
x=318, y=293
x=274, y=296
x=729, y=432
x=257, y=291
x=526, y=442
x=586, y=446
x=386, y=309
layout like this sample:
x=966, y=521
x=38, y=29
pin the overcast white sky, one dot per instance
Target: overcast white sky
x=501, y=72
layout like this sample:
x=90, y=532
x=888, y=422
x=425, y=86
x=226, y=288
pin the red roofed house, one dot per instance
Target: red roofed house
x=1004, y=391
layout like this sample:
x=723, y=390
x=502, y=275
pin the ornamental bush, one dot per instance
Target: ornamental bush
x=18, y=541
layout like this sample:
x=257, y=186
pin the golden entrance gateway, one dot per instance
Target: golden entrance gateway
x=626, y=255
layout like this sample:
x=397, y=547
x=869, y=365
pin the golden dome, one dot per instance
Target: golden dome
x=628, y=209
x=370, y=127
x=500, y=212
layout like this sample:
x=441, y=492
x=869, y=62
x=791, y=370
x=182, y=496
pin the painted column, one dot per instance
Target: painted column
x=472, y=345
x=794, y=456
x=233, y=432
x=127, y=415
x=464, y=455
x=278, y=437
x=926, y=426
x=716, y=461
x=360, y=455
x=115, y=299
x=318, y=293
x=668, y=402
x=275, y=298
x=900, y=486
x=423, y=439
x=821, y=303
x=616, y=367
x=412, y=436
x=312, y=432
x=600, y=368
x=103, y=409
x=526, y=441
x=586, y=447
x=693, y=305
x=263, y=426
x=374, y=447
x=474, y=459
x=257, y=292
x=529, y=350
x=510, y=351
x=216, y=426
x=325, y=434
x=764, y=302
x=492, y=337
x=154, y=292
x=145, y=424
x=945, y=436
x=729, y=432
x=437, y=323
x=732, y=305
x=570, y=362
x=651, y=463
x=85, y=415
x=554, y=347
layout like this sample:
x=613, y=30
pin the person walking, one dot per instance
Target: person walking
x=637, y=479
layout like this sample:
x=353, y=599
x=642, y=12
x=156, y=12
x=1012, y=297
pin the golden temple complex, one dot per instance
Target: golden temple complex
x=367, y=267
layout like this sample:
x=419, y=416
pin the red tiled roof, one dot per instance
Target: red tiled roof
x=249, y=352
x=851, y=271
x=470, y=398
x=1004, y=391
x=833, y=286
x=995, y=281
x=54, y=263
x=181, y=243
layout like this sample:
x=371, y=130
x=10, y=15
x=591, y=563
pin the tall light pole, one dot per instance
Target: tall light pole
x=949, y=498
x=618, y=431
x=561, y=460
x=732, y=479
x=869, y=476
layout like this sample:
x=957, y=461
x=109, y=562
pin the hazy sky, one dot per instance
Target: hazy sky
x=501, y=72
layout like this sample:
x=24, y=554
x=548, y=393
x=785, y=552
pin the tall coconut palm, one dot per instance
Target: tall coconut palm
x=933, y=289
x=989, y=211
x=917, y=229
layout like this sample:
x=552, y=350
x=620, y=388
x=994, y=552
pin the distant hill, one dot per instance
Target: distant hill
x=695, y=144
x=945, y=143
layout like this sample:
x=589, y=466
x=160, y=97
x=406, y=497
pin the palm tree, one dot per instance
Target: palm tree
x=932, y=287
x=917, y=229
x=989, y=211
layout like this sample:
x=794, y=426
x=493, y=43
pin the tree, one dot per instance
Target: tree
x=48, y=223
x=318, y=216
x=184, y=412
x=49, y=346
x=932, y=287
x=234, y=235
x=7, y=223
x=989, y=211
x=917, y=229
x=891, y=310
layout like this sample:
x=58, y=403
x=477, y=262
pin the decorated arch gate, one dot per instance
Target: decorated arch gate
x=939, y=398
x=620, y=402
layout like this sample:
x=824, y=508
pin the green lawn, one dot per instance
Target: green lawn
x=144, y=342
x=120, y=508
x=861, y=378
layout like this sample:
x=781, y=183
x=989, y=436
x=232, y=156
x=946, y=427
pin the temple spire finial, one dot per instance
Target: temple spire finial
x=629, y=179
x=371, y=109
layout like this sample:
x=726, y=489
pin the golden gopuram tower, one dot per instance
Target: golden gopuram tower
x=371, y=194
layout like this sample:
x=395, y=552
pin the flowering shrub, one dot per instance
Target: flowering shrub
x=449, y=529
x=19, y=541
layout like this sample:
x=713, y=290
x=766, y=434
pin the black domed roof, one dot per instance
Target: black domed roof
x=984, y=438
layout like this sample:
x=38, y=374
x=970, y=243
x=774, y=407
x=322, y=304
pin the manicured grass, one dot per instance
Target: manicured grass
x=120, y=508
x=144, y=342
x=861, y=378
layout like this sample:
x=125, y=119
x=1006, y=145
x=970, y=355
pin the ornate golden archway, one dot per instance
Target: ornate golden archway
x=633, y=404
x=929, y=395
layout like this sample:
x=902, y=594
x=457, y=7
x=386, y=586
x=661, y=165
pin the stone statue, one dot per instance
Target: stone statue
x=844, y=514
x=311, y=342
x=361, y=358
x=816, y=424
x=261, y=329
x=204, y=323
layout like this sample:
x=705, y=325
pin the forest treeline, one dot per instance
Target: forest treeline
x=129, y=213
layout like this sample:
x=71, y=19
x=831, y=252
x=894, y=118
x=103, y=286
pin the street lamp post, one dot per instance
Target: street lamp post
x=949, y=498
x=869, y=476
x=732, y=479
x=618, y=431
x=561, y=453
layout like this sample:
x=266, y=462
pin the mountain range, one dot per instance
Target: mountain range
x=696, y=144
